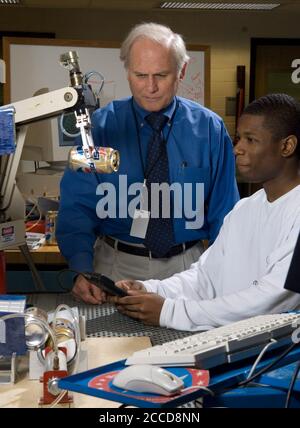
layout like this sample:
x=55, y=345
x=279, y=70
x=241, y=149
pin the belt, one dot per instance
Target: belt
x=144, y=252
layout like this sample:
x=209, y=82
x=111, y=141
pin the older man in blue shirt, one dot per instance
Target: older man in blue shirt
x=190, y=151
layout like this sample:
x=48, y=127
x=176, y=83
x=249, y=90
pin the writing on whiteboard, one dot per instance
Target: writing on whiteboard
x=192, y=87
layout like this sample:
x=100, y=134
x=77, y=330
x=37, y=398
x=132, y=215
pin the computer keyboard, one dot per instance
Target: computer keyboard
x=227, y=344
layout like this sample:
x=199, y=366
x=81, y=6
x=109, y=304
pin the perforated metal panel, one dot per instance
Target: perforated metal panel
x=105, y=321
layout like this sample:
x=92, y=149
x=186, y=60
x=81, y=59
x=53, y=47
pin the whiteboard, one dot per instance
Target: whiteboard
x=34, y=64
x=33, y=67
x=193, y=85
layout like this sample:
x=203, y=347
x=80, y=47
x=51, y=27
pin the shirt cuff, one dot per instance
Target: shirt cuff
x=167, y=313
x=151, y=285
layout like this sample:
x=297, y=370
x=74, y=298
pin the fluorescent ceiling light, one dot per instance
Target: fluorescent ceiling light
x=9, y=2
x=218, y=6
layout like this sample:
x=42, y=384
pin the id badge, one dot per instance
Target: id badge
x=141, y=217
x=140, y=223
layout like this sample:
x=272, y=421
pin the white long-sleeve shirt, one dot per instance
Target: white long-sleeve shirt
x=243, y=273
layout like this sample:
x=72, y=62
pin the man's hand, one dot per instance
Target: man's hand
x=139, y=304
x=88, y=292
x=126, y=285
x=129, y=284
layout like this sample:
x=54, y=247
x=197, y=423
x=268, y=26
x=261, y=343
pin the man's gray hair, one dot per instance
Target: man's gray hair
x=159, y=34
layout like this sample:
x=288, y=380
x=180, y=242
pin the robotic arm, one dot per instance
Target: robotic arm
x=88, y=158
x=78, y=98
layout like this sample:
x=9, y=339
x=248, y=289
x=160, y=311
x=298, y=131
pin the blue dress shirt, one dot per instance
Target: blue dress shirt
x=199, y=151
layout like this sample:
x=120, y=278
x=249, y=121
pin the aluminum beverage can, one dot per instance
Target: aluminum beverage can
x=50, y=237
x=36, y=333
x=104, y=161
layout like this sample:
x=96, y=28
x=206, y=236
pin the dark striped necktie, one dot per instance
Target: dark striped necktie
x=160, y=235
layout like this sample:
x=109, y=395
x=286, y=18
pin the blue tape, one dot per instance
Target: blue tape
x=7, y=131
x=14, y=340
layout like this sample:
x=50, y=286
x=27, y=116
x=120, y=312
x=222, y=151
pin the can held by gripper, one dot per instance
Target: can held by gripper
x=104, y=161
x=50, y=235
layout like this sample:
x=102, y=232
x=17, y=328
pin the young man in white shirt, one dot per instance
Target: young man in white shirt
x=243, y=273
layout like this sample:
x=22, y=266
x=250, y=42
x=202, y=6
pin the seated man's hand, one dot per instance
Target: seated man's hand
x=141, y=305
x=126, y=285
x=129, y=284
x=87, y=292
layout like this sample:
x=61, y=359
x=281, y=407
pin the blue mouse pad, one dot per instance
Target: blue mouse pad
x=98, y=382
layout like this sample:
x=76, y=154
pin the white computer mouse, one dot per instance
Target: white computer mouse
x=147, y=378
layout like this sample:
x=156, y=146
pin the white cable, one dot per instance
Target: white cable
x=77, y=344
x=37, y=222
x=86, y=77
x=272, y=341
x=32, y=209
x=35, y=206
x=75, y=321
x=58, y=399
x=89, y=74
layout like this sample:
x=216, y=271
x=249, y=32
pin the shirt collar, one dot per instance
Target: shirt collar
x=142, y=113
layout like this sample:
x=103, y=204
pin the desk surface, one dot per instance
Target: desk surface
x=104, y=320
x=26, y=393
x=46, y=254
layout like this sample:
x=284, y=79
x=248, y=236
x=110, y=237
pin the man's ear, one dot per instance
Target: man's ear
x=289, y=145
x=183, y=71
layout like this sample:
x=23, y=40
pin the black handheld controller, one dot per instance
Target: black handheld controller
x=106, y=284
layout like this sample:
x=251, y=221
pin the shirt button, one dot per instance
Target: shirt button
x=142, y=124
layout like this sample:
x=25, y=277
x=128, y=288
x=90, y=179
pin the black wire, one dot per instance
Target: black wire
x=63, y=271
x=260, y=372
x=292, y=384
x=269, y=366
